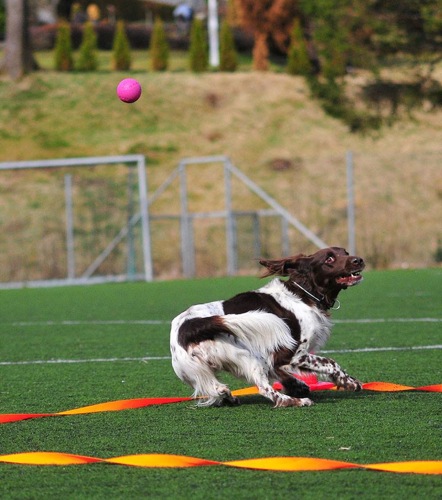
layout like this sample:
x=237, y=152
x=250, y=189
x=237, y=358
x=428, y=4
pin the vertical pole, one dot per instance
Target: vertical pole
x=230, y=223
x=256, y=236
x=285, y=237
x=213, y=33
x=187, y=247
x=145, y=224
x=130, y=267
x=70, y=247
x=350, y=205
x=183, y=222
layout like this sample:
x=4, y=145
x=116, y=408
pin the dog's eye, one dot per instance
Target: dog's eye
x=330, y=259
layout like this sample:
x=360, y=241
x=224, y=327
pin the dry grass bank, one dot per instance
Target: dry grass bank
x=254, y=119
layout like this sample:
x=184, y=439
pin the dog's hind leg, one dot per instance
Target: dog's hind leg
x=214, y=393
x=207, y=388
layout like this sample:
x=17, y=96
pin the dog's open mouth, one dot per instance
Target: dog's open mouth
x=350, y=279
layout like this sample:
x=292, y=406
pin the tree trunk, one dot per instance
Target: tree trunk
x=260, y=52
x=18, y=59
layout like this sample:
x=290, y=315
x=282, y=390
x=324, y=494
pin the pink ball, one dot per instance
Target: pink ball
x=129, y=90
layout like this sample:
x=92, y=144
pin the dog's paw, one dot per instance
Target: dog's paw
x=306, y=402
x=226, y=401
x=232, y=401
x=287, y=401
x=348, y=384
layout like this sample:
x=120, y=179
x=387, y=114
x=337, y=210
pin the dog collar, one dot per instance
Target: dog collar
x=319, y=300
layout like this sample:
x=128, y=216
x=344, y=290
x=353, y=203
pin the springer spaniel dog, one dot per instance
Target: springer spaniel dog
x=269, y=334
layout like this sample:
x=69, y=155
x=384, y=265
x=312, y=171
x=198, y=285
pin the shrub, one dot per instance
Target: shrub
x=331, y=95
x=228, y=55
x=334, y=64
x=298, y=61
x=2, y=22
x=64, y=60
x=159, y=47
x=438, y=253
x=87, y=59
x=198, y=50
x=121, y=60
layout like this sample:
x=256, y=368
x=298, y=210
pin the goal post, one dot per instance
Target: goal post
x=142, y=216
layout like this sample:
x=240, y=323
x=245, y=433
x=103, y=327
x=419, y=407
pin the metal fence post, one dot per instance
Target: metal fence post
x=230, y=223
x=285, y=237
x=131, y=254
x=187, y=247
x=70, y=246
x=144, y=213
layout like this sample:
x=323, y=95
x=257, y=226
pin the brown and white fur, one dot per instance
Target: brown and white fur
x=268, y=334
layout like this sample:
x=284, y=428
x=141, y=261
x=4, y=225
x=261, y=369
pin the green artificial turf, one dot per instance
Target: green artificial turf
x=100, y=323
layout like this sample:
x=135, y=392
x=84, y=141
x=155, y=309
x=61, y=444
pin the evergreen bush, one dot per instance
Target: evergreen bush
x=198, y=50
x=88, y=59
x=298, y=61
x=331, y=95
x=64, y=60
x=121, y=57
x=334, y=64
x=159, y=47
x=228, y=55
x=2, y=21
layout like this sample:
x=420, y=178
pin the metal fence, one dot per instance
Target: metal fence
x=142, y=219
x=139, y=228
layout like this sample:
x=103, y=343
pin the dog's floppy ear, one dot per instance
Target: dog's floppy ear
x=301, y=264
x=281, y=267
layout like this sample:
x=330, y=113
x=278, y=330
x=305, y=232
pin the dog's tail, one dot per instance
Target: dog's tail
x=261, y=332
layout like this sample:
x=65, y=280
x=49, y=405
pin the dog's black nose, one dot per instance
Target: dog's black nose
x=357, y=261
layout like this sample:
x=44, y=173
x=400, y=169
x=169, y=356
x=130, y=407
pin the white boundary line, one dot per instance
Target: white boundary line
x=75, y=361
x=389, y=320
x=163, y=358
x=382, y=349
x=89, y=322
x=166, y=322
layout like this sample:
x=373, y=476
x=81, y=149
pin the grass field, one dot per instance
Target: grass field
x=63, y=348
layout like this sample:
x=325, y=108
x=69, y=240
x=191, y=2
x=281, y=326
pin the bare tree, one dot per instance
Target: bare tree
x=18, y=59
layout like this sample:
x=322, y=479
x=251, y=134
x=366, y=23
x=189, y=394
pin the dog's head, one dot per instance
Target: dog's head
x=323, y=274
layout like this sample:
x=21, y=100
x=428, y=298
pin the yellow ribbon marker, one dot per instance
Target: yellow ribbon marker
x=291, y=464
x=416, y=467
x=282, y=464
x=47, y=458
x=161, y=460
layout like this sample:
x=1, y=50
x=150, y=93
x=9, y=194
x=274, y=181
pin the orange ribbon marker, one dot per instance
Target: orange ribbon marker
x=127, y=404
x=122, y=404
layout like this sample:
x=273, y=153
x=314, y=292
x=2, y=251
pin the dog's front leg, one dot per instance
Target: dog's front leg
x=281, y=400
x=260, y=379
x=257, y=374
x=328, y=367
